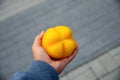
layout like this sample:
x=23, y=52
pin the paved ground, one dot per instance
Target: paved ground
x=95, y=25
x=105, y=67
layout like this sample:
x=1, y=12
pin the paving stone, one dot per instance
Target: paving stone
x=115, y=75
x=115, y=51
x=117, y=59
x=77, y=72
x=107, y=62
x=97, y=68
x=64, y=78
x=115, y=54
x=88, y=75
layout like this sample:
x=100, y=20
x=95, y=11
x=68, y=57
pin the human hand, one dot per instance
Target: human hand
x=40, y=54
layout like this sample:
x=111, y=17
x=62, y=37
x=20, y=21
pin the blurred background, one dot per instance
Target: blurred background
x=95, y=25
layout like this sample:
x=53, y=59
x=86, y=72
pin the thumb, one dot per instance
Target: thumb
x=38, y=40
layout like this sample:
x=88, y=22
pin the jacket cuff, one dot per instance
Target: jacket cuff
x=40, y=69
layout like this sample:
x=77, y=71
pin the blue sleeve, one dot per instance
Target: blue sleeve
x=39, y=70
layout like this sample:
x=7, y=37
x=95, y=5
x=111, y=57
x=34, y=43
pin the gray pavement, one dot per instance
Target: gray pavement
x=95, y=25
x=104, y=67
